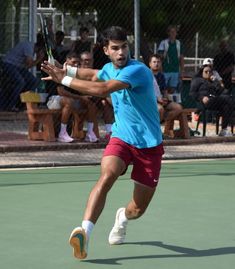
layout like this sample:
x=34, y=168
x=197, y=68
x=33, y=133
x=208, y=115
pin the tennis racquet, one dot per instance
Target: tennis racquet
x=46, y=38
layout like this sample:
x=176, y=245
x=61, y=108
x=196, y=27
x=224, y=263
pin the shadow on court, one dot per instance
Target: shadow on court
x=183, y=253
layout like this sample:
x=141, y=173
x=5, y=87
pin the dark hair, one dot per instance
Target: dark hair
x=200, y=71
x=59, y=34
x=83, y=29
x=114, y=33
x=172, y=26
x=72, y=54
x=156, y=55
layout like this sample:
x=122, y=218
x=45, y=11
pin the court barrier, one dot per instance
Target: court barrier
x=146, y=22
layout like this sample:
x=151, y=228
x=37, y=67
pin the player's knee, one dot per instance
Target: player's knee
x=106, y=181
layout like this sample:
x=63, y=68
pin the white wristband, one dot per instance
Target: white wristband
x=66, y=81
x=71, y=71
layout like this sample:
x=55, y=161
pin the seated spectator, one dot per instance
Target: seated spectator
x=209, y=94
x=16, y=66
x=103, y=105
x=83, y=44
x=74, y=104
x=215, y=75
x=168, y=109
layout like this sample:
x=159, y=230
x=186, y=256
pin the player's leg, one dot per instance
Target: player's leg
x=111, y=168
x=142, y=195
x=145, y=173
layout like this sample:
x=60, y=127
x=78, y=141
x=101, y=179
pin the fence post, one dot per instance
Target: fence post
x=137, y=28
x=196, y=51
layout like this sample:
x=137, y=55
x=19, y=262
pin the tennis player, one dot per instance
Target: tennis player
x=136, y=134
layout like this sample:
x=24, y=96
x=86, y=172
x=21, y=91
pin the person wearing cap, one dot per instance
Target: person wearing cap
x=209, y=94
x=215, y=75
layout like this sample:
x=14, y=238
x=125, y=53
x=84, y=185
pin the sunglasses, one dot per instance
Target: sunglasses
x=207, y=71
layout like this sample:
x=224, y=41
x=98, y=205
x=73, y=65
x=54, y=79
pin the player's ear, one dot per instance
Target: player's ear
x=106, y=50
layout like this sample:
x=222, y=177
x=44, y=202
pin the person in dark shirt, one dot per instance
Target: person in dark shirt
x=168, y=109
x=83, y=44
x=209, y=94
x=224, y=64
x=100, y=58
x=60, y=51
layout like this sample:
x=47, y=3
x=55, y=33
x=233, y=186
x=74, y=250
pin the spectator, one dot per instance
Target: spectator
x=169, y=110
x=173, y=59
x=16, y=66
x=60, y=51
x=224, y=64
x=74, y=104
x=83, y=44
x=40, y=49
x=209, y=94
x=215, y=75
x=103, y=105
x=100, y=59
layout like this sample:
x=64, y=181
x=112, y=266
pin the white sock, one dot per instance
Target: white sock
x=88, y=227
x=122, y=218
x=108, y=128
x=90, y=126
x=63, y=127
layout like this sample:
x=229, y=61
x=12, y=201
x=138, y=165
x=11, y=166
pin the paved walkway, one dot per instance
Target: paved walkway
x=17, y=151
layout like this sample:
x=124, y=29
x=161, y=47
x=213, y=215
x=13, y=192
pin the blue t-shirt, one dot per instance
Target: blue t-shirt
x=17, y=55
x=135, y=108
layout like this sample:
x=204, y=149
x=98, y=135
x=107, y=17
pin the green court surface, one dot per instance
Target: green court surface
x=189, y=224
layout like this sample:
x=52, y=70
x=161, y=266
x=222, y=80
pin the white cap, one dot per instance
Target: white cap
x=207, y=61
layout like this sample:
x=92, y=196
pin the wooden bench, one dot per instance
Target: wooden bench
x=41, y=120
x=184, y=132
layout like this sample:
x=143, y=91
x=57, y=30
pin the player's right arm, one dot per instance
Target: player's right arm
x=84, y=86
x=81, y=73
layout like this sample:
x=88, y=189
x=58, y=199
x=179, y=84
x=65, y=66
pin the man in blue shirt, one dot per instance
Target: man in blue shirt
x=136, y=134
x=15, y=66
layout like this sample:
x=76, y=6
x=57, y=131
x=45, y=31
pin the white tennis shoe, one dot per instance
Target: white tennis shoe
x=118, y=232
x=91, y=137
x=64, y=137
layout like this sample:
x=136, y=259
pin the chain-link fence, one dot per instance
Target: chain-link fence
x=203, y=29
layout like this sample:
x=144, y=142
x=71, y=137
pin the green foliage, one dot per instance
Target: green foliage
x=210, y=18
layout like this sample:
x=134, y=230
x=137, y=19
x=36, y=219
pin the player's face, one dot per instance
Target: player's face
x=155, y=64
x=118, y=52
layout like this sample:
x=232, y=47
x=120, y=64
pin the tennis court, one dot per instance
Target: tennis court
x=189, y=224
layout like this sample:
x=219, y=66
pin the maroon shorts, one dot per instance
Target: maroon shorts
x=146, y=162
